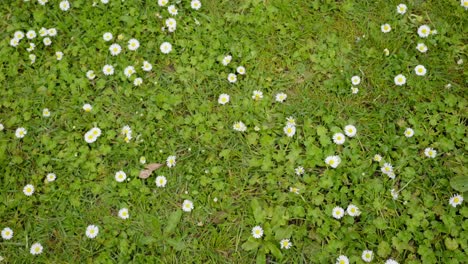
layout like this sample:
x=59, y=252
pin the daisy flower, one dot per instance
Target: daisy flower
x=7, y=233
x=108, y=69
x=142, y=160
x=162, y=2
x=339, y=138
x=171, y=161
x=92, y=231
x=36, y=249
x=115, y=49
x=409, y=132
x=391, y=261
x=90, y=137
x=281, y=97
x=338, y=212
x=342, y=260
x=171, y=22
x=350, y=130
x=31, y=34
x=454, y=201
x=45, y=112
x=161, y=181
x=96, y=131
x=257, y=232
x=385, y=28
x=421, y=47
x=386, y=52
x=20, y=132
x=137, y=81
x=47, y=41
x=43, y=32
x=333, y=161
x=28, y=190
x=430, y=153
x=226, y=60
x=128, y=71
x=257, y=95
x=59, y=55
x=232, y=78
x=355, y=80
x=294, y=190
x=133, y=44
x=420, y=70
x=464, y=3
x=195, y=4
x=32, y=57
x=172, y=10
x=104, y=1
x=126, y=130
x=120, y=176
x=19, y=35
x=146, y=66
x=354, y=90
x=123, y=213
x=239, y=126
x=166, y=47
x=424, y=31
x=285, y=244
x=1, y=127
x=299, y=170
x=90, y=75
x=240, y=70
x=394, y=194
x=51, y=177
x=367, y=255
x=401, y=9
x=377, y=158
x=87, y=107
x=187, y=206
x=64, y=5
x=353, y=210
x=31, y=47
x=223, y=99
x=400, y=79
x=289, y=130
x=52, y=32
x=14, y=42
x=107, y=36
x=387, y=168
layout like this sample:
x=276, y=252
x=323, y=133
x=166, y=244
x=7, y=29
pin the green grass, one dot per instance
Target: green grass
x=306, y=49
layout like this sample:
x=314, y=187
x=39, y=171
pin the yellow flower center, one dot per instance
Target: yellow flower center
x=368, y=255
x=342, y=262
x=7, y=233
x=91, y=231
x=420, y=70
x=353, y=210
x=37, y=249
x=28, y=189
x=456, y=200
x=400, y=79
x=257, y=232
x=331, y=162
x=424, y=31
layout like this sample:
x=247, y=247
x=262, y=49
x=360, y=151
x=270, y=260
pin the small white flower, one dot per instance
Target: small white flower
x=162, y=2
x=51, y=177
x=367, y=255
x=377, y=157
x=172, y=10
x=386, y=28
x=338, y=212
x=430, y=153
x=421, y=47
x=36, y=249
x=281, y=97
x=420, y=70
x=19, y=35
x=108, y=70
x=146, y=66
x=195, y=4
x=43, y=32
x=424, y=31
x=14, y=42
x=223, y=99
x=257, y=95
x=232, y=78
x=28, y=190
x=394, y=194
x=289, y=130
x=333, y=161
x=90, y=137
x=386, y=52
x=90, y=75
x=32, y=57
x=7, y=233
x=464, y=3
x=166, y=47
x=123, y=213
x=391, y=261
x=454, y=201
x=104, y=1
x=92, y=231
x=59, y=55
x=45, y=112
x=355, y=80
x=387, y=168
x=47, y=41
x=400, y=79
x=187, y=206
x=257, y=232
x=64, y=5
x=226, y=60
x=129, y=70
x=161, y=181
x=240, y=70
x=350, y=130
x=52, y=32
x=294, y=190
x=285, y=244
x=354, y=90
x=31, y=34
x=20, y=132
x=115, y=49
x=401, y=9
x=120, y=176
x=171, y=22
x=32, y=46
x=353, y=210
x=409, y=132
x=342, y=260
x=299, y=170
x=107, y=36
x=1, y=127
x=137, y=81
x=133, y=44
x=171, y=161
x=239, y=126
x=142, y=160
x=126, y=130
x=339, y=138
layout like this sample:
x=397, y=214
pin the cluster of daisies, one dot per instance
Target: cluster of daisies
x=232, y=77
x=92, y=135
x=30, y=35
x=339, y=138
x=367, y=256
x=257, y=232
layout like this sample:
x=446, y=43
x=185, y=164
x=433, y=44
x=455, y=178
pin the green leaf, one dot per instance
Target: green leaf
x=261, y=257
x=459, y=183
x=250, y=245
x=173, y=221
x=274, y=250
x=258, y=212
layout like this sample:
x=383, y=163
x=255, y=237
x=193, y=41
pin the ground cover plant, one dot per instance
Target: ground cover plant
x=216, y=131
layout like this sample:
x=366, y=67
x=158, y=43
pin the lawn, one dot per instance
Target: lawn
x=249, y=131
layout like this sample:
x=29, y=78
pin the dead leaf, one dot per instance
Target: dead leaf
x=144, y=174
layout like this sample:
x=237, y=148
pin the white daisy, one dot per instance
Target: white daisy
x=299, y=170
x=146, y=66
x=377, y=158
x=386, y=52
x=454, y=201
x=240, y=70
x=90, y=137
x=339, y=138
x=107, y=36
x=294, y=190
x=47, y=41
x=120, y=176
x=115, y=49
x=90, y=75
x=333, y=161
x=104, y=1
x=142, y=160
x=291, y=121
x=391, y=261
x=108, y=70
x=409, y=132
x=367, y=255
x=52, y=32
x=257, y=95
x=223, y=99
x=354, y=90
x=171, y=161
x=43, y=32
x=59, y=55
x=289, y=130
x=92, y=231
x=126, y=130
x=350, y=130
x=385, y=28
x=424, y=31
x=51, y=177
x=137, y=81
x=7, y=233
x=353, y=210
x=14, y=42
x=342, y=260
x=387, y=168
x=20, y=132
x=400, y=79
x=281, y=97
x=172, y=10
x=226, y=60
x=401, y=8
x=162, y=2
x=45, y=112
x=430, y=153
x=19, y=35
x=133, y=44
x=338, y=212
x=161, y=181
x=64, y=5
x=285, y=244
x=420, y=70
x=166, y=47
x=239, y=126
x=421, y=47
x=32, y=57
x=36, y=249
x=1, y=127
x=28, y=190
x=129, y=70
x=232, y=78
x=171, y=22
x=257, y=232
x=464, y=3
x=355, y=80
x=123, y=213
x=96, y=131
x=187, y=206
x=195, y=4
x=31, y=34
x=394, y=194
x=32, y=46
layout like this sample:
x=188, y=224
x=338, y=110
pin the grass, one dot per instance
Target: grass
x=306, y=49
